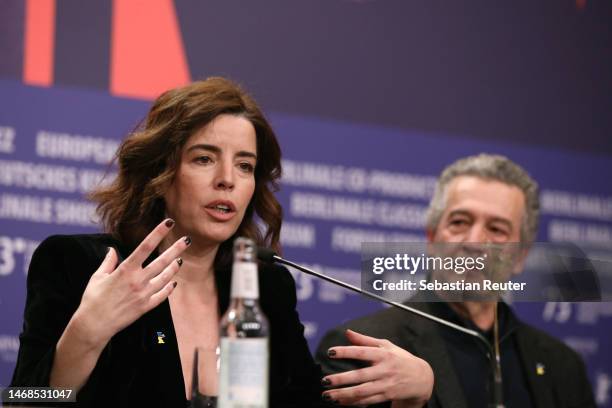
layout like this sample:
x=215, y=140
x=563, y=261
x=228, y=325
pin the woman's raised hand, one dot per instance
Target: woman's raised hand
x=117, y=295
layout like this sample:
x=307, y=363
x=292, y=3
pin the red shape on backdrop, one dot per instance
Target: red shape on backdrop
x=39, y=42
x=147, y=52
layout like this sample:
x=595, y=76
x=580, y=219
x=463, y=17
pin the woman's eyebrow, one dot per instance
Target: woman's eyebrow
x=203, y=146
x=245, y=153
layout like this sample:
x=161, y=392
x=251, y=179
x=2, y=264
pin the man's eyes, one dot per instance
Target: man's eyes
x=498, y=230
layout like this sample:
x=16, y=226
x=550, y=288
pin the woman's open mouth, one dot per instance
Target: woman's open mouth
x=221, y=210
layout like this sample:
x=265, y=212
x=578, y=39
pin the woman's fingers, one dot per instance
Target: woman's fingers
x=359, y=339
x=161, y=295
x=165, y=259
x=149, y=244
x=116, y=296
x=158, y=282
x=371, y=354
x=350, y=395
x=358, y=376
x=109, y=263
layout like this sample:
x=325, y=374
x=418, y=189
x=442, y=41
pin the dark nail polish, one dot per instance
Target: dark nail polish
x=325, y=382
x=108, y=249
x=179, y=261
x=174, y=284
x=326, y=397
x=187, y=241
x=331, y=352
x=169, y=223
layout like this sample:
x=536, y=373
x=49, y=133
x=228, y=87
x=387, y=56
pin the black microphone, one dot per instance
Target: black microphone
x=269, y=256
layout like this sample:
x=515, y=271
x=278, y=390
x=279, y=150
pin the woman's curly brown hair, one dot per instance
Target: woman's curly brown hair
x=133, y=204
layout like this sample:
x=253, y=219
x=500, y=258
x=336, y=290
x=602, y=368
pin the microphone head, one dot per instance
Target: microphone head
x=266, y=254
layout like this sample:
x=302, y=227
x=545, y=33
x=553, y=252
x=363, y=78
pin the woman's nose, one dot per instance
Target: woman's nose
x=224, y=179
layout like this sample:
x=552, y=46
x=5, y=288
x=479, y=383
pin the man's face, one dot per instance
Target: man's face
x=480, y=211
x=480, y=217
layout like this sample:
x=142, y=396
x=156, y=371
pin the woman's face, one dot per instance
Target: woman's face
x=215, y=180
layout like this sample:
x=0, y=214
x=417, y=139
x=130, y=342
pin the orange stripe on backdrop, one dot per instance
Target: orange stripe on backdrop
x=39, y=42
x=147, y=53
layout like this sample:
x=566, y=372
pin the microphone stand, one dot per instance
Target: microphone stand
x=268, y=255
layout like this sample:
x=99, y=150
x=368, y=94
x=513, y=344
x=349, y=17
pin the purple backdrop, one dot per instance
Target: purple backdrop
x=370, y=99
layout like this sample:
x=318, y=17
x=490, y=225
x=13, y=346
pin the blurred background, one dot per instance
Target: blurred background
x=370, y=100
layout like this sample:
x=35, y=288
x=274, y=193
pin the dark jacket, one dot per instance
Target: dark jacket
x=562, y=384
x=135, y=369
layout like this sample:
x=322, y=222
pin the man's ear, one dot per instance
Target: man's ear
x=521, y=257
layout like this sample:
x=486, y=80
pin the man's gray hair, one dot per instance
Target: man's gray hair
x=489, y=167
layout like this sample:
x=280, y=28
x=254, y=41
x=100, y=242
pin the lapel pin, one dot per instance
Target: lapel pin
x=160, y=338
x=540, y=369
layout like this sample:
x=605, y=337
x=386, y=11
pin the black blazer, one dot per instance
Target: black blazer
x=563, y=385
x=134, y=369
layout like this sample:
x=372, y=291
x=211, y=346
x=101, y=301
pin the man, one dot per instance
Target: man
x=478, y=199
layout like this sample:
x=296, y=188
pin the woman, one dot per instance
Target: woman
x=117, y=316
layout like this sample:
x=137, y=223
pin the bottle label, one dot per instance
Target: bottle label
x=243, y=373
x=244, y=280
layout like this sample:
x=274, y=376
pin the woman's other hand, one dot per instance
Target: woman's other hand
x=394, y=375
